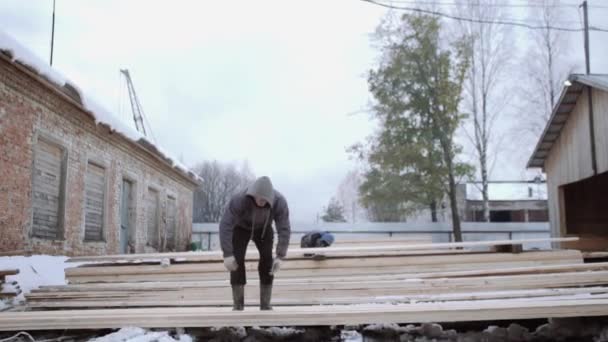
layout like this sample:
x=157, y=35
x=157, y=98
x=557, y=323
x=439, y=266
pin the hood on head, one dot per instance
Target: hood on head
x=262, y=187
x=327, y=238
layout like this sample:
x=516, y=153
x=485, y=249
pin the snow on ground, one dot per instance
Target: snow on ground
x=34, y=271
x=134, y=334
x=281, y=331
x=351, y=336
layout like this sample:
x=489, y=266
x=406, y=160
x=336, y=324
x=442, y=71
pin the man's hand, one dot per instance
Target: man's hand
x=230, y=263
x=276, y=265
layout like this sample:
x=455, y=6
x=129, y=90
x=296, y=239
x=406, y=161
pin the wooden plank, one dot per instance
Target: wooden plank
x=418, y=262
x=160, y=300
x=300, y=315
x=6, y=295
x=214, y=255
x=9, y=272
x=595, y=255
x=372, y=288
x=155, y=285
x=588, y=243
x=372, y=271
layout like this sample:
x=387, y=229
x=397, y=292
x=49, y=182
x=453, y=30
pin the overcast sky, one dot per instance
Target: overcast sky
x=272, y=82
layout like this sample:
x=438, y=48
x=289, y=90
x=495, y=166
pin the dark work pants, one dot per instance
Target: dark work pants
x=240, y=240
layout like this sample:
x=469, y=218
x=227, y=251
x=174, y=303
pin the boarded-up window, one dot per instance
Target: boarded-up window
x=95, y=191
x=171, y=218
x=152, y=217
x=48, y=190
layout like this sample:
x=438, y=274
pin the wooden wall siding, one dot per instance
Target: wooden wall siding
x=600, y=118
x=569, y=159
x=171, y=218
x=95, y=193
x=152, y=213
x=47, y=194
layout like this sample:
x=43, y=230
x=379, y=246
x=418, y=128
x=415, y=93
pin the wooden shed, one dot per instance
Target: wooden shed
x=573, y=151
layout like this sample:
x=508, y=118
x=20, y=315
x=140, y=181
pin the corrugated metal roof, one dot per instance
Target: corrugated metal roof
x=561, y=112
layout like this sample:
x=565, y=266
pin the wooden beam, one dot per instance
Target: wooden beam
x=160, y=301
x=312, y=273
x=415, y=262
x=157, y=285
x=386, y=287
x=8, y=272
x=300, y=315
x=298, y=253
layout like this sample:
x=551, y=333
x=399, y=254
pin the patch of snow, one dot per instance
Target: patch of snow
x=135, y=334
x=4, y=304
x=239, y=332
x=282, y=331
x=384, y=327
x=23, y=55
x=35, y=271
x=351, y=336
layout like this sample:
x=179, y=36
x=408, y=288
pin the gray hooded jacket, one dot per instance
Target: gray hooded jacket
x=242, y=212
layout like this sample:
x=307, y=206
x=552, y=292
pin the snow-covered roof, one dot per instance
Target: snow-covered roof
x=565, y=105
x=19, y=53
x=516, y=191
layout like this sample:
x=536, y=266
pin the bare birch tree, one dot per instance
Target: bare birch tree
x=348, y=195
x=484, y=92
x=545, y=65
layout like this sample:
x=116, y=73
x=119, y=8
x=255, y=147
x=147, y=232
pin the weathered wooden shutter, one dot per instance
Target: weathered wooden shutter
x=95, y=189
x=47, y=192
x=171, y=217
x=152, y=217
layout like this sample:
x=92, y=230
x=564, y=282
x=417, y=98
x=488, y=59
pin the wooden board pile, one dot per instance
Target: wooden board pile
x=4, y=294
x=390, y=282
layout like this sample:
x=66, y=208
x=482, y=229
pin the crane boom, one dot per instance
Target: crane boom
x=138, y=111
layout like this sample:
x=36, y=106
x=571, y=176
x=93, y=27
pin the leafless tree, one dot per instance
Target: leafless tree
x=484, y=91
x=221, y=181
x=348, y=195
x=545, y=65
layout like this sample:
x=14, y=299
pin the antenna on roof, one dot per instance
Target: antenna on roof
x=53, y=33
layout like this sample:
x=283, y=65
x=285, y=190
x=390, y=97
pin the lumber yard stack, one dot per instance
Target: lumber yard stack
x=390, y=282
x=11, y=291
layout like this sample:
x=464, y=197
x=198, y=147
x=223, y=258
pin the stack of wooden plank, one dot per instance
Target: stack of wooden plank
x=377, y=283
x=3, y=293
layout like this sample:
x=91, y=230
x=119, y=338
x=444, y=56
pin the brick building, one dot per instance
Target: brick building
x=75, y=182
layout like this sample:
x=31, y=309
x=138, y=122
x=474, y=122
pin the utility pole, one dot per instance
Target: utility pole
x=589, y=89
x=586, y=19
x=53, y=33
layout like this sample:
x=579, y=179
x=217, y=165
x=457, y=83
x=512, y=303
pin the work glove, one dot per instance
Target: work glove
x=230, y=263
x=276, y=265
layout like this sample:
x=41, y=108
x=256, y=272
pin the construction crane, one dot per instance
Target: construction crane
x=138, y=112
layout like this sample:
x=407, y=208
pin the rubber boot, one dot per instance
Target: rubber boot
x=238, y=297
x=265, y=297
